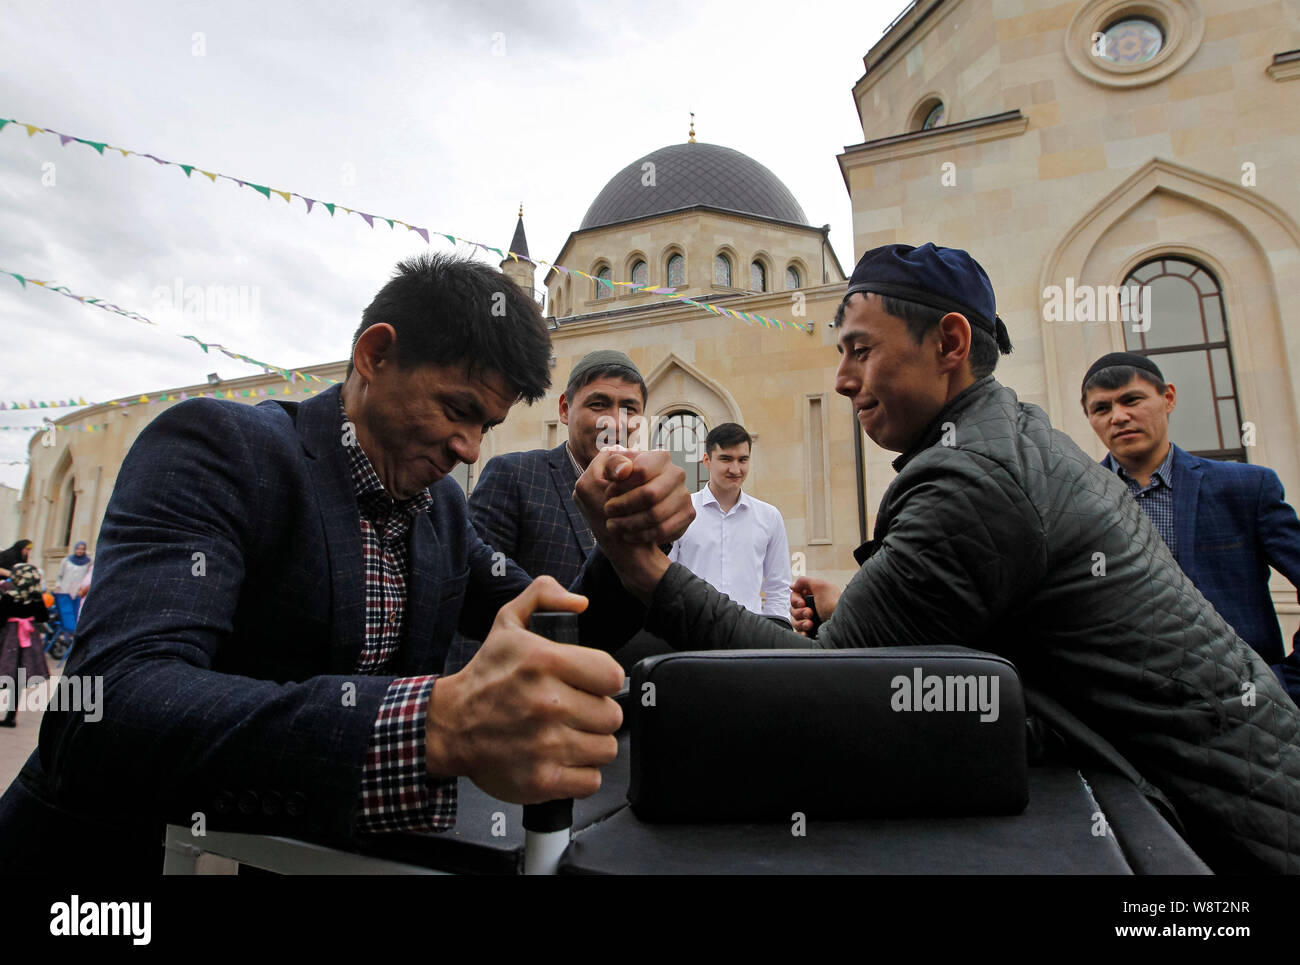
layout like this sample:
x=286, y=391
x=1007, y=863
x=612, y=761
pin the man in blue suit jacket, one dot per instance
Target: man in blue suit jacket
x=276, y=590
x=1225, y=522
x=523, y=502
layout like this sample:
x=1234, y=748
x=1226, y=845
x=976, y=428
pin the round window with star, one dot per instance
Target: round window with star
x=1130, y=42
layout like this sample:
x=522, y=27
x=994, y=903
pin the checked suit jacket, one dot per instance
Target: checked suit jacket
x=523, y=506
x=1231, y=523
x=226, y=622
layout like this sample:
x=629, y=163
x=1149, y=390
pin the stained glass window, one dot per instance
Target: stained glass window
x=1134, y=40
x=757, y=277
x=791, y=278
x=722, y=270
x=603, y=291
x=676, y=271
x=934, y=118
x=683, y=434
x=640, y=274
x=1186, y=336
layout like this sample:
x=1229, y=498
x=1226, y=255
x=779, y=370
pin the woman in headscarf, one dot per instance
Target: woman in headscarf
x=21, y=608
x=72, y=573
x=17, y=553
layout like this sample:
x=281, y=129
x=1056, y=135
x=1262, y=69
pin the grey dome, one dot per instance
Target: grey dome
x=691, y=174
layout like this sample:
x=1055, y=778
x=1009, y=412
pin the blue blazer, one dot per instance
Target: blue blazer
x=523, y=506
x=1231, y=522
x=226, y=622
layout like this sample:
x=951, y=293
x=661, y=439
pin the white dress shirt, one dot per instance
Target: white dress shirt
x=741, y=552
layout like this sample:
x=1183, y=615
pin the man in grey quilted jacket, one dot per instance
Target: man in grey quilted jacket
x=999, y=533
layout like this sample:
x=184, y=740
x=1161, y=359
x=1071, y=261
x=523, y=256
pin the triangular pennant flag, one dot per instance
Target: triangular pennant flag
x=211, y=176
x=368, y=218
x=421, y=232
x=64, y=138
x=82, y=401
x=97, y=145
x=3, y=122
x=124, y=151
x=153, y=157
x=391, y=223
x=513, y=256
x=310, y=202
x=283, y=194
x=21, y=280
x=32, y=129
x=143, y=400
x=187, y=168
x=450, y=238
x=330, y=207
x=261, y=189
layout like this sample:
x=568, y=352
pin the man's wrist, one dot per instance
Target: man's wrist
x=641, y=570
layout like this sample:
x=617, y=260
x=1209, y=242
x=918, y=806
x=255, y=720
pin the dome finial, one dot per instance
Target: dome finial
x=692, y=138
x=521, y=209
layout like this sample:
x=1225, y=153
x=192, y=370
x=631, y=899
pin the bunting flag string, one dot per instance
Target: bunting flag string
x=749, y=318
x=290, y=375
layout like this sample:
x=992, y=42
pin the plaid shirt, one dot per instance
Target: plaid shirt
x=1156, y=498
x=396, y=793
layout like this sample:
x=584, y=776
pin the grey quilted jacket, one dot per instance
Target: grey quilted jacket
x=999, y=533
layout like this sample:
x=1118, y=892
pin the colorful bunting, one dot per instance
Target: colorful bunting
x=369, y=219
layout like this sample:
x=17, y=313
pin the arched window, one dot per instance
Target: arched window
x=640, y=274
x=71, y=497
x=676, y=271
x=791, y=278
x=1187, y=337
x=933, y=117
x=603, y=291
x=682, y=434
x=722, y=270
x=757, y=276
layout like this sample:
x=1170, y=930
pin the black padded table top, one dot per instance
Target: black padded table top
x=1052, y=836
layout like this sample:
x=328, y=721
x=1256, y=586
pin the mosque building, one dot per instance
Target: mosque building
x=1079, y=150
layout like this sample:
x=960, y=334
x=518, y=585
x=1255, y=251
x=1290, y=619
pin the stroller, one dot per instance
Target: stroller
x=58, y=639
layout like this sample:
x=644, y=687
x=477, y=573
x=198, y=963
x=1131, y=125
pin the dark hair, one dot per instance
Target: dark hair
x=615, y=371
x=1118, y=376
x=920, y=319
x=448, y=310
x=725, y=436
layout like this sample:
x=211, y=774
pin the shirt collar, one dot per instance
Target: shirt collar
x=710, y=498
x=1164, y=472
x=572, y=459
x=373, y=499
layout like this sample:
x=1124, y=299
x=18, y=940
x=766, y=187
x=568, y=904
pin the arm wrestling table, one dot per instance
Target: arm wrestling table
x=723, y=805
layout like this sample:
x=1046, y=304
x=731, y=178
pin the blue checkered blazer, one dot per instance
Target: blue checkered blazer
x=523, y=506
x=229, y=683
x=1231, y=523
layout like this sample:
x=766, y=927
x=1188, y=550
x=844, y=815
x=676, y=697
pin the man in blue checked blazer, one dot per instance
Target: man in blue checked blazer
x=522, y=504
x=1225, y=522
x=276, y=590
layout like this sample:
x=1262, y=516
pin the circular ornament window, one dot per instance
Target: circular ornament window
x=1131, y=43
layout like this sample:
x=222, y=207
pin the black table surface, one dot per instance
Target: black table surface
x=1054, y=835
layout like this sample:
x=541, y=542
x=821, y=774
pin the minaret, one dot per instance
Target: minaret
x=521, y=271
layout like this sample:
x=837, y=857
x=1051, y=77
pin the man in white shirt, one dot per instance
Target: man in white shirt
x=737, y=542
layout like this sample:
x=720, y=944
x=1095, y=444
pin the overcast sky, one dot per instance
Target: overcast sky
x=445, y=115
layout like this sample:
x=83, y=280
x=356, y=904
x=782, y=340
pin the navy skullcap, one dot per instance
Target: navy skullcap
x=1113, y=359
x=947, y=279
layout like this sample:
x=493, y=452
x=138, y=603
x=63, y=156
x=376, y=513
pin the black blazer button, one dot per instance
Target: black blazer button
x=225, y=802
x=248, y=802
x=295, y=805
x=272, y=802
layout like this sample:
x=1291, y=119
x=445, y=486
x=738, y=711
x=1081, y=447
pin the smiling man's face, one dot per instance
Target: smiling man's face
x=897, y=387
x=1132, y=421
